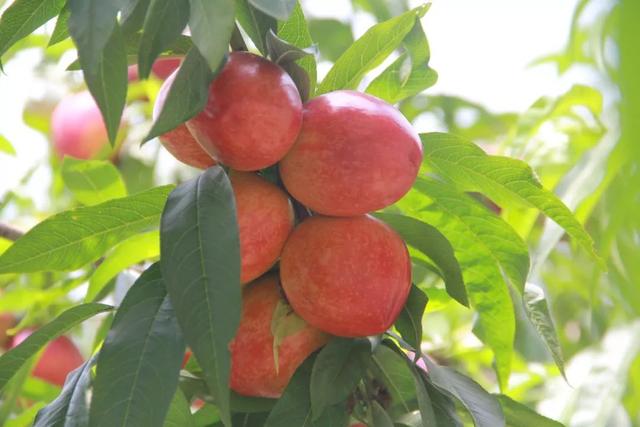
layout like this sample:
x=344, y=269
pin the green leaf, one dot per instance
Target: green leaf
x=503, y=179
x=369, y=51
x=133, y=250
x=139, y=362
x=392, y=370
x=379, y=416
x=70, y=408
x=427, y=414
x=537, y=309
x=332, y=36
x=519, y=415
x=431, y=242
x=14, y=389
x=211, y=24
x=107, y=80
x=409, y=74
x=70, y=239
x=23, y=17
x=13, y=359
x=61, y=30
x=92, y=181
x=91, y=24
x=188, y=94
x=286, y=55
x=487, y=249
x=6, y=147
x=132, y=16
x=409, y=322
x=200, y=254
x=482, y=406
x=279, y=9
x=338, y=369
x=255, y=23
x=296, y=32
x=179, y=414
x=163, y=24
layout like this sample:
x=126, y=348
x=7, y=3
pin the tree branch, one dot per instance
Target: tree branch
x=10, y=233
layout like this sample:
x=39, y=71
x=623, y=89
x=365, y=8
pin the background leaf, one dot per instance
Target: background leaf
x=71, y=239
x=211, y=24
x=519, y=415
x=6, y=147
x=200, y=255
x=332, y=36
x=92, y=181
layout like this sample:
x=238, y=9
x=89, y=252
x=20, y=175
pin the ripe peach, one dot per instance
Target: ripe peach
x=346, y=276
x=59, y=358
x=253, y=369
x=77, y=127
x=162, y=68
x=253, y=114
x=355, y=154
x=179, y=141
x=265, y=220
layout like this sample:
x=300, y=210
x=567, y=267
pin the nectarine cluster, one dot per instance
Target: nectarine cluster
x=340, y=156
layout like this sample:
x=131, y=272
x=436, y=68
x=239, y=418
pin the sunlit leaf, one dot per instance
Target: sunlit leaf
x=295, y=30
x=92, y=181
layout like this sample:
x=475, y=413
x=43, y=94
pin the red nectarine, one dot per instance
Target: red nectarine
x=355, y=154
x=253, y=369
x=179, y=141
x=346, y=276
x=265, y=220
x=253, y=114
x=59, y=358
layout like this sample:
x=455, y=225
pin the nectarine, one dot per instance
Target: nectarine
x=346, y=276
x=59, y=358
x=161, y=68
x=265, y=220
x=253, y=368
x=355, y=154
x=179, y=141
x=253, y=114
x=77, y=127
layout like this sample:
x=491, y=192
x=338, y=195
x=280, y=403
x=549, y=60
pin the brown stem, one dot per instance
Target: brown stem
x=10, y=233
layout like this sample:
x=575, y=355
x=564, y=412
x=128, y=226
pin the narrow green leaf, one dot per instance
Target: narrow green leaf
x=6, y=147
x=279, y=9
x=200, y=254
x=188, y=94
x=132, y=16
x=92, y=181
x=61, y=30
x=256, y=23
x=296, y=32
x=286, y=56
x=70, y=408
x=139, y=362
x=163, y=24
x=23, y=17
x=179, y=414
x=379, y=416
x=431, y=242
x=369, y=51
x=519, y=415
x=338, y=369
x=444, y=407
x=537, y=309
x=70, y=239
x=427, y=414
x=503, y=179
x=211, y=24
x=294, y=407
x=391, y=369
x=12, y=360
x=482, y=406
x=409, y=322
x=135, y=249
x=487, y=249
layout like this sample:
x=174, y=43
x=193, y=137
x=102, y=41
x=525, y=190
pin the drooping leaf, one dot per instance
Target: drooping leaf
x=255, y=23
x=487, y=248
x=188, y=94
x=481, y=405
x=503, y=179
x=279, y=9
x=70, y=239
x=179, y=414
x=23, y=17
x=431, y=242
x=12, y=360
x=211, y=24
x=379, y=416
x=138, y=364
x=133, y=250
x=519, y=415
x=70, y=408
x=409, y=322
x=92, y=181
x=337, y=370
x=61, y=30
x=91, y=24
x=200, y=254
x=369, y=51
x=427, y=414
x=296, y=32
x=132, y=15
x=287, y=56
x=6, y=147
x=163, y=24
x=390, y=368
x=410, y=73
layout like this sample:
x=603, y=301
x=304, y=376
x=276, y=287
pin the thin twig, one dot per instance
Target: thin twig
x=10, y=233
